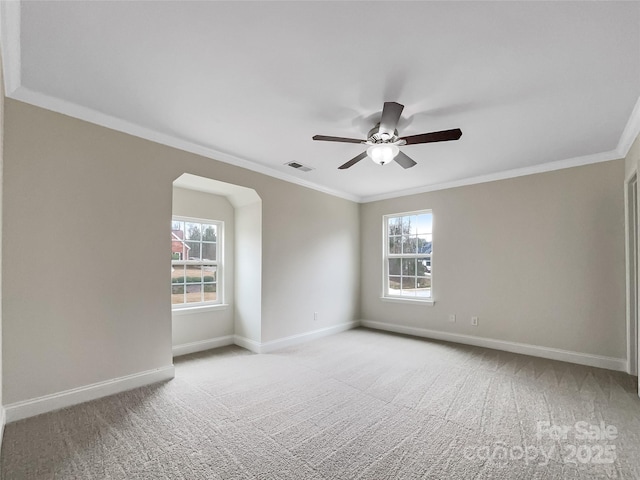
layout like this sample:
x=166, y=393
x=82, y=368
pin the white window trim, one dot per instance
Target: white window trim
x=422, y=302
x=385, y=297
x=200, y=308
x=218, y=303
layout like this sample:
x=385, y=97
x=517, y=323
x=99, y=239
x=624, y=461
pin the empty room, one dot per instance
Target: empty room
x=319, y=240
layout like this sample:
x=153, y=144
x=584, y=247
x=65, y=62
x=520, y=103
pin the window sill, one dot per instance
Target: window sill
x=426, y=302
x=199, y=309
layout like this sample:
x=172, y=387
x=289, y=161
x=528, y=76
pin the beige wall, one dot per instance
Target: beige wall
x=82, y=206
x=248, y=276
x=197, y=326
x=318, y=236
x=539, y=259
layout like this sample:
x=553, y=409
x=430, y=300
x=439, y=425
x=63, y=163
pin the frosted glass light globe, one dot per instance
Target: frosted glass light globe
x=382, y=153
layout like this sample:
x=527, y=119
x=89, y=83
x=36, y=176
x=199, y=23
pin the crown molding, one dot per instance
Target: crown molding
x=503, y=175
x=630, y=132
x=83, y=113
x=12, y=68
x=64, y=107
x=11, y=62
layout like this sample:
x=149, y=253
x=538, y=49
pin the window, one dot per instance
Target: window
x=196, y=262
x=407, y=255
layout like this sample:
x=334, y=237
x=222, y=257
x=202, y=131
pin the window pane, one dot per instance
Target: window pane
x=408, y=282
x=394, y=226
x=177, y=284
x=193, y=231
x=177, y=274
x=194, y=293
x=406, y=225
x=209, y=274
x=413, y=225
x=424, y=287
x=394, y=285
x=409, y=267
x=177, y=225
x=194, y=274
x=210, y=293
x=424, y=282
x=209, y=251
x=394, y=266
x=177, y=294
x=209, y=233
x=424, y=244
x=425, y=223
x=395, y=244
x=409, y=244
x=193, y=250
x=423, y=267
x=409, y=286
x=178, y=250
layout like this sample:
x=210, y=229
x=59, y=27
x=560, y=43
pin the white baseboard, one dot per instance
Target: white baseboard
x=202, y=345
x=610, y=363
x=244, y=342
x=285, y=342
x=48, y=403
x=273, y=345
x=3, y=422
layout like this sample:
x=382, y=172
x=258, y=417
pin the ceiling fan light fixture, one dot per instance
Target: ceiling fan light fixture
x=382, y=153
x=383, y=140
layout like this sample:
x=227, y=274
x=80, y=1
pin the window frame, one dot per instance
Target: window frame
x=218, y=263
x=386, y=255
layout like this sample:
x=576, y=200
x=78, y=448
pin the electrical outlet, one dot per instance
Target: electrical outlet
x=315, y=316
x=474, y=321
x=452, y=317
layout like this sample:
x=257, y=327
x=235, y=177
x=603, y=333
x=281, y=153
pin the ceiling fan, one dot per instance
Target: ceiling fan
x=383, y=139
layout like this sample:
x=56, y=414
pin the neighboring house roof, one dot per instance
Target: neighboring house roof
x=426, y=248
x=178, y=235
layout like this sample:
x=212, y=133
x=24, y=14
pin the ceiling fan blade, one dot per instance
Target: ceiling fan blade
x=390, y=116
x=443, y=136
x=326, y=138
x=353, y=161
x=404, y=160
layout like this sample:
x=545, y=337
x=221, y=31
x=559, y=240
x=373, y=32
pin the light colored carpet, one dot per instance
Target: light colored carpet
x=361, y=404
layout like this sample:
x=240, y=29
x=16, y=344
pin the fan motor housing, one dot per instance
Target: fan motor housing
x=374, y=136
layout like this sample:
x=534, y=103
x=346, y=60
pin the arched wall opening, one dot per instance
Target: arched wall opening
x=238, y=318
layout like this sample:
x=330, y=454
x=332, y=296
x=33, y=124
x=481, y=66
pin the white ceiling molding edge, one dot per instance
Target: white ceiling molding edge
x=93, y=116
x=506, y=174
x=11, y=60
x=631, y=131
x=629, y=134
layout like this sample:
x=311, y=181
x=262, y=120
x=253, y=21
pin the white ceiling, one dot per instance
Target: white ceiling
x=534, y=86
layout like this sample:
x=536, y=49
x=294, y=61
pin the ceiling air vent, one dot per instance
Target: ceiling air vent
x=299, y=166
